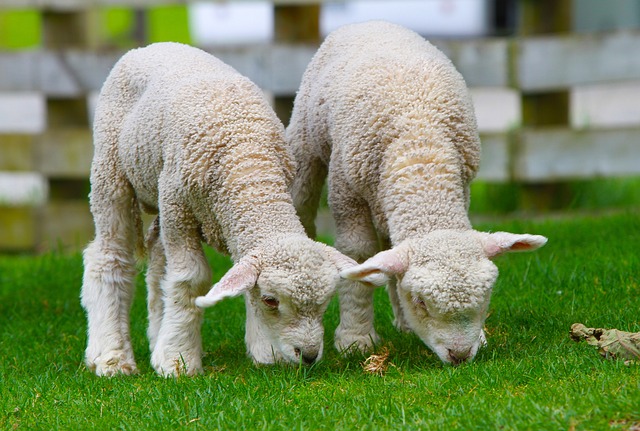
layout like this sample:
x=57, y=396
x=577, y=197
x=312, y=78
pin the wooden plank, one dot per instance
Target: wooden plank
x=65, y=153
x=64, y=29
x=22, y=113
x=19, y=71
x=275, y=67
x=545, y=109
x=18, y=228
x=22, y=189
x=551, y=63
x=73, y=73
x=296, y=23
x=293, y=24
x=495, y=158
x=542, y=64
x=67, y=225
x=65, y=113
x=17, y=153
x=545, y=16
x=556, y=154
x=482, y=62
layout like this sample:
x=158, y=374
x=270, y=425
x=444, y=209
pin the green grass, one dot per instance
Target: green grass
x=593, y=194
x=530, y=377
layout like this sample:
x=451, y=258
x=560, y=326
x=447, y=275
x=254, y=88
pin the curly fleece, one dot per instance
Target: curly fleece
x=387, y=117
x=185, y=136
x=402, y=124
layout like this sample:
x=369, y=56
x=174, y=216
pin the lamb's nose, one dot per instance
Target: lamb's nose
x=458, y=356
x=308, y=356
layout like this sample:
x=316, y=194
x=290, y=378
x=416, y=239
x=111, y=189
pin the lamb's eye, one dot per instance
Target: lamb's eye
x=270, y=302
x=419, y=302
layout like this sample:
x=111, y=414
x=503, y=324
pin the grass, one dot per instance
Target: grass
x=591, y=194
x=530, y=377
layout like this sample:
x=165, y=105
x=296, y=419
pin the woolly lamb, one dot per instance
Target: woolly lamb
x=179, y=133
x=390, y=119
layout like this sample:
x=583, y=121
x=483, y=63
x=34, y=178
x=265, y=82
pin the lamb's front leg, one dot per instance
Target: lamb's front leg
x=399, y=320
x=178, y=347
x=355, y=237
x=356, y=330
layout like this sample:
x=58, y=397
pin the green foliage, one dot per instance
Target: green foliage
x=23, y=28
x=19, y=29
x=118, y=27
x=161, y=24
x=531, y=376
x=168, y=23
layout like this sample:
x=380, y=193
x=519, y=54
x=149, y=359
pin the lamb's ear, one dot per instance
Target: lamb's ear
x=499, y=243
x=344, y=263
x=376, y=269
x=240, y=278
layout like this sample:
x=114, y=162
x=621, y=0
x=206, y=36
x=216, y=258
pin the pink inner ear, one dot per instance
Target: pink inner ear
x=519, y=246
x=395, y=266
x=388, y=262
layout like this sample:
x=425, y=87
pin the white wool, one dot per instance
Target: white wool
x=181, y=134
x=390, y=120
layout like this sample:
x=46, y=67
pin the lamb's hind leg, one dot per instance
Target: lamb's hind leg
x=108, y=282
x=355, y=237
x=155, y=272
x=306, y=187
x=178, y=347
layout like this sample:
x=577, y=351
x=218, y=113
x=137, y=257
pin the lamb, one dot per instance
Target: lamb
x=183, y=135
x=388, y=118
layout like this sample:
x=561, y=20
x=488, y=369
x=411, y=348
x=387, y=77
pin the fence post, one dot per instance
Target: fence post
x=538, y=17
x=65, y=217
x=294, y=24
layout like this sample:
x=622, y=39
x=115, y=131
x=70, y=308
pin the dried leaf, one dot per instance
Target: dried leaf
x=377, y=364
x=627, y=425
x=611, y=343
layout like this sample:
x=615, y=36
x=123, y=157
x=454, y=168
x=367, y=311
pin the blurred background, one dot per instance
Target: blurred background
x=555, y=83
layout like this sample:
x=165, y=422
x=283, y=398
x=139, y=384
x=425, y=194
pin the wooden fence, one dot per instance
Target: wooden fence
x=540, y=147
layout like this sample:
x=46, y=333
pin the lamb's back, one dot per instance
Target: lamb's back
x=182, y=111
x=376, y=82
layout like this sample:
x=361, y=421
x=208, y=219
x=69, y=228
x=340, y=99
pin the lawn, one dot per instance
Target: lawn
x=531, y=376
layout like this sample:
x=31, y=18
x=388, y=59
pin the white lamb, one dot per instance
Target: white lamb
x=179, y=133
x=390, y=119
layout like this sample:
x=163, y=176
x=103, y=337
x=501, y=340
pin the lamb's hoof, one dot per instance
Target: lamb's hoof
x=346, y=342
x=177, y=366
x=113, y=363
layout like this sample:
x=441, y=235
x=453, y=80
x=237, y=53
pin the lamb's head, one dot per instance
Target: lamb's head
x=444, y=284
x=287, y=286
